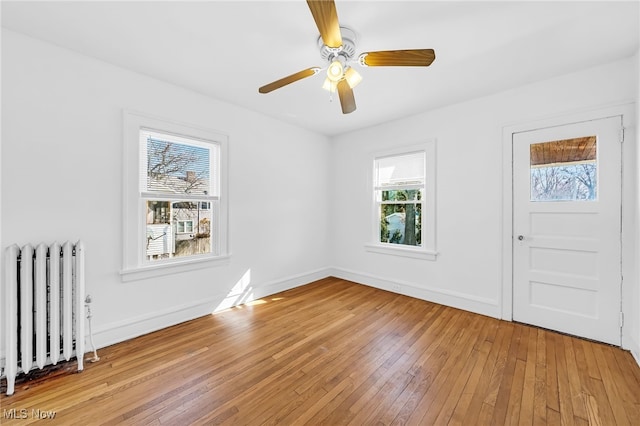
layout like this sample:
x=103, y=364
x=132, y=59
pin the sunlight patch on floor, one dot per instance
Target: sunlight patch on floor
x=239, y=294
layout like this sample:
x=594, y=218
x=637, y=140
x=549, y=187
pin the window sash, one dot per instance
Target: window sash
x=215, y=230
x=213, y=165
x=411, y=168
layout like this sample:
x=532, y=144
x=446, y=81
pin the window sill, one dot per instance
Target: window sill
x=171, y=267
x=401, y=251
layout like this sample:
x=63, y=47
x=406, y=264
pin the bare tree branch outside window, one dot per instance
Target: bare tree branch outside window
x=181, y=168
x=564, y=183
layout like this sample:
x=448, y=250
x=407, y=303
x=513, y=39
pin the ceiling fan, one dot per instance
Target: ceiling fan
x=337, y=47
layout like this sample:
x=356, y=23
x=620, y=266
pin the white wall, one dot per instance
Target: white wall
x=62, y=174
x=468, y=270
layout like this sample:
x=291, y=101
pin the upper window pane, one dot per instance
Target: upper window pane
x=175, y=165
x=564, y=170
x=398, y=170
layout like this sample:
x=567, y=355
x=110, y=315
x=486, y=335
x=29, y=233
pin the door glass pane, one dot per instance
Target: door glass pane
x=564, y=170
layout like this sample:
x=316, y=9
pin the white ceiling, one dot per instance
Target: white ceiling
x=227, y=49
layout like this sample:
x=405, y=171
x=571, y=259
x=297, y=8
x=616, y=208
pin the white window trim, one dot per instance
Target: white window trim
x=134, y=266
x=427, y=250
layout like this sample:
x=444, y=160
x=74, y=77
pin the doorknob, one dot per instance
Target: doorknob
x=520, y=237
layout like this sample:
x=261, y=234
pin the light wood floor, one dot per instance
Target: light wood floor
x=334, y=352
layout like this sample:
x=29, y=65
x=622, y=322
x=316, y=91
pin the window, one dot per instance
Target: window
x=185, y=227
x=403, y=186
x=564, y=170
x=176, y=210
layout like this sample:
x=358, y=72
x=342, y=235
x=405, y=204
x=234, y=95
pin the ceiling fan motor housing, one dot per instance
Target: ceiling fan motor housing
x=347, y=51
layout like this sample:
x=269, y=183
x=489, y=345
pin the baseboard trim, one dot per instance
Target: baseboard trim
x=479, y=305
x=120, y=331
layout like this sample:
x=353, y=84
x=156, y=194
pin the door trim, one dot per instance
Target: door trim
x=626, y=111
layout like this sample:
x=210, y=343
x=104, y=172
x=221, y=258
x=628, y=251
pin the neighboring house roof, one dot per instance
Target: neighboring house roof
x=396, y=216
x=188, y=184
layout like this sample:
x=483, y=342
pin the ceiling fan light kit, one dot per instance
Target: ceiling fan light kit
x=337, y=49
x=329, y=85
x=335, y=72
x=353, y=77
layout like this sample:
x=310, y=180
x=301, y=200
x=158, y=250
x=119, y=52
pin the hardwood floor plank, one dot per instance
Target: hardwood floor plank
x=605, y=410
x=503, y=388
x=551, y=384
x=540, y=384
x=334, y=352
x=514, y=406
x=464, y=402
x=445, y=409
x=384, y=381
x=590, y=359
x=624, y=391
x=591, y=407
x=564, y=391
x=490, y=374
x=610, y=385
x=529, y=384
x=553, y=417
x=573, y=375
x=431, y=360
x=434, y=401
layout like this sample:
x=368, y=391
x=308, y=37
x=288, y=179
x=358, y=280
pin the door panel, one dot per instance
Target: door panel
x=566, y=208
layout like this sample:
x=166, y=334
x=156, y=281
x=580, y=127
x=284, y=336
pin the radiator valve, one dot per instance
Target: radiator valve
x=87, y=303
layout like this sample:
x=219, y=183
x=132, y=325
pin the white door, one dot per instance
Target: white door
x=566, y=228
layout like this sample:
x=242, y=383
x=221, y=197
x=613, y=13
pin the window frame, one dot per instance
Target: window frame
x=427, y=249
x=135, y=266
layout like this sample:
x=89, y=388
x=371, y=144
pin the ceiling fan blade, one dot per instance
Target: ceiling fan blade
x=288, y=80
x=400, y=58
x=347, y=100
x=326, y=17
